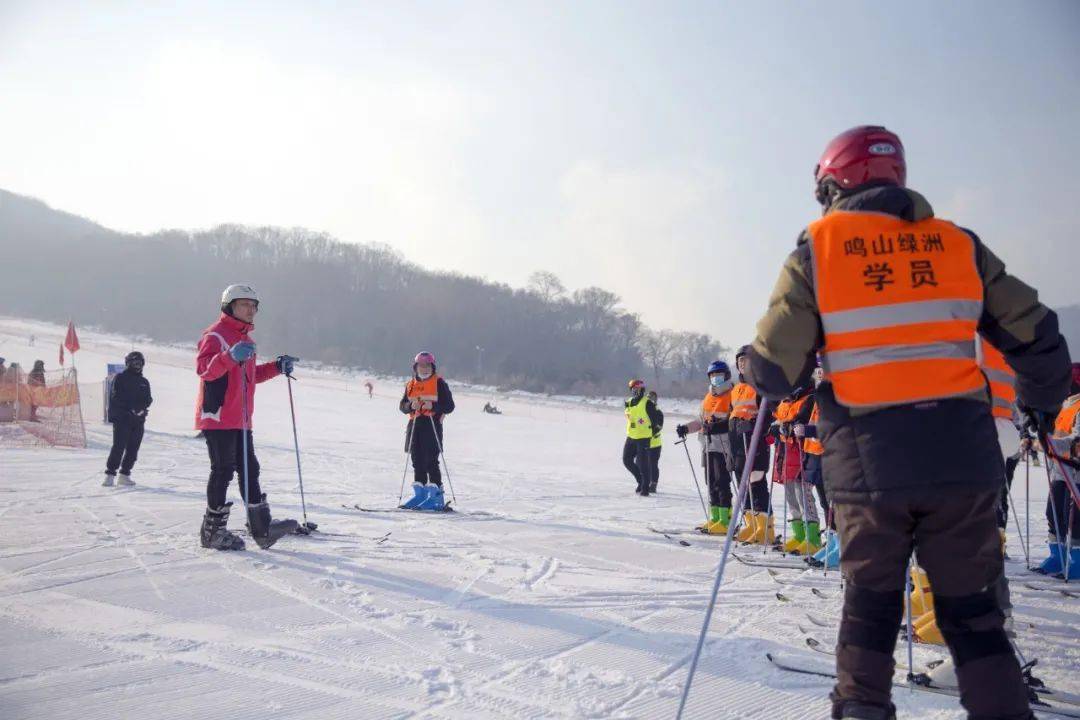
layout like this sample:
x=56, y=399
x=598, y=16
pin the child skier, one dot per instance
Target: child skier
x=427, y=400
x=712, y=427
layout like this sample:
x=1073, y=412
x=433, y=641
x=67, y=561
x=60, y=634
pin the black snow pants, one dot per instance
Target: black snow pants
x=126, y=439
x=955, y=538
x=635, y=458
x=718, y=478
x=226, y=451
x=424, y=450
x=654, y=463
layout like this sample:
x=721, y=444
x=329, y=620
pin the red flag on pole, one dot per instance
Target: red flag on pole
x=71, y=342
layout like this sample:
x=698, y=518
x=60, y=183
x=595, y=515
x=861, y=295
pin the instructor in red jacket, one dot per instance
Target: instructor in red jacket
x=228, y=372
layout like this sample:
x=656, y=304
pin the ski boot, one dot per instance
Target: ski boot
x=829, y=556
x=1074, y=563
x=764, y=532
x=435, y=500
x=420, y=494
x=214, y=533
x=798, y=537
x=109, y=478
x=813, y=540
x=124, y=479
x=719, y=519
x=1054, y=564
x=264, y=529
x=857, y=710
x=749, y=527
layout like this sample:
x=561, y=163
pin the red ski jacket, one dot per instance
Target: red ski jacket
x=220, y=406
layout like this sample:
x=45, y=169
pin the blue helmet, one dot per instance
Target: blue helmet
x=719, y=366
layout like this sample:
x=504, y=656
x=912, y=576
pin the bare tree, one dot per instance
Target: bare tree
x=657, y=347
x=547, y=285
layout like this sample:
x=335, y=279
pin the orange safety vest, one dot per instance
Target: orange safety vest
x=899, y=303
x=743, y=401
x=813, y=445
x=1002, y=380
x=716, y=406
x=788, y=410
x=1066, y=419
x=427, y=390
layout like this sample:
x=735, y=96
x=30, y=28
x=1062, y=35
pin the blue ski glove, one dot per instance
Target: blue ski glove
x=241, y=351
x=285, y=364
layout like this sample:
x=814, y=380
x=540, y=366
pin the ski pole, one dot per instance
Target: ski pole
x=296, y=445
x=743, y=489
x=438, y=444
x=694, y=474
x=405, y=470
x=1068, y=542
x=1016, y=519
x=1027, y=503
x=779, y=462
x=909, y=586
x=1053, y=504
x=244, y=428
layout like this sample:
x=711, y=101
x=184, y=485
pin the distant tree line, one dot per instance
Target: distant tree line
x=354, y=305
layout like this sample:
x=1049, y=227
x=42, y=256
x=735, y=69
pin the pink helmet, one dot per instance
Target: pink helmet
x=424, y=357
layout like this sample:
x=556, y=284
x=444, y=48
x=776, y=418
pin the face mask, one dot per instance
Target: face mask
x=423, y=374
x=717, y=381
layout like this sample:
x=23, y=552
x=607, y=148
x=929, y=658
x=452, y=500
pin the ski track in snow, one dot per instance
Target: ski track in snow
x=545, y=597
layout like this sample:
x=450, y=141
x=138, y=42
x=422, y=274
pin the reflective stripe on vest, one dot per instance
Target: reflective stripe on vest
x=716, y=406
x=743, y=401
x=638, y=426
x=427, y=390
x=1065, y=425
x=813, y=445
x=1001, y=377
x=899, y=304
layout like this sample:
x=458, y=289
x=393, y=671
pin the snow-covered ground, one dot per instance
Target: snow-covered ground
x=546, y=597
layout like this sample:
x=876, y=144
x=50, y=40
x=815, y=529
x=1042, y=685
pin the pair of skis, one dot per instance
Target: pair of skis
x=1043, y=699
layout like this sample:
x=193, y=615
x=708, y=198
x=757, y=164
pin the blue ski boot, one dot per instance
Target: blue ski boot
x=420, y=494
x=829, y=556
x=1074, y=563
x=1053, y=564
x=435, y=500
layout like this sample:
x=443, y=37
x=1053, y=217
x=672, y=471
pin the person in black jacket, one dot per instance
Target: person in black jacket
x=655, y=444
x=129, y=401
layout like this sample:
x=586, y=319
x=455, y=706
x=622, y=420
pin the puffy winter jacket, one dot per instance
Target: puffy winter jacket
x=941, y=444
x=129, y=398
x=220, y=405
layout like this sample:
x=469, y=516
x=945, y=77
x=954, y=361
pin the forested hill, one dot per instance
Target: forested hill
x=358, y=305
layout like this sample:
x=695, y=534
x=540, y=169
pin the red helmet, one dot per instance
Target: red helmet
x=635, y=383
x=424, y=357
x=855, y=157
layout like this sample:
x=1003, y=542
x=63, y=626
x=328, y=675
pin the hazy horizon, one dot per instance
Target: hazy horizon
x=661, y=152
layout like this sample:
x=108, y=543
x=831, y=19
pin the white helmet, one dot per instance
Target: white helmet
x=238, y=292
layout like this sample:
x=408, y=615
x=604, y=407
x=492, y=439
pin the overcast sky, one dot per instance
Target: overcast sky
x=661, y=150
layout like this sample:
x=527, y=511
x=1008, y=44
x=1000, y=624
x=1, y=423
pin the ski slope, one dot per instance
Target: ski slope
x=546, y=597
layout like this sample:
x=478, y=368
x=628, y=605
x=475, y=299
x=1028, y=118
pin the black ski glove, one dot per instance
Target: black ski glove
x=285, y=364
x=682, y=431
x=1040, y=422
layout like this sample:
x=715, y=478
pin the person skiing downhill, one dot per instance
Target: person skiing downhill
x=745, y=405
x=226, y=365
x=893, y=297
x=427, y=400
x=713, y=427
x=129, y=403
x=641, y=418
